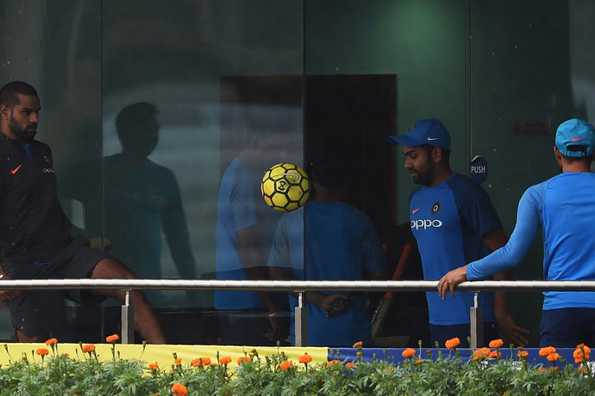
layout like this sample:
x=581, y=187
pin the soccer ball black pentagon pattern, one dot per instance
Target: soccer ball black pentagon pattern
x=285, y=187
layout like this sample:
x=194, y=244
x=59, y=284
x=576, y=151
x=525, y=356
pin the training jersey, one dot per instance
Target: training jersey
x=329, y=241
x=33, y=227
x=564, y=206
x=239, y=206
x=448, y=222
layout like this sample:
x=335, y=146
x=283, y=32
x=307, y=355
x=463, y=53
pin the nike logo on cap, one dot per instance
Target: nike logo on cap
x=16, y=170
x=431, y=138
x=414, y=211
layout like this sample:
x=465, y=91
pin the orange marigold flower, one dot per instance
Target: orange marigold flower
x=350, y=365
x=545, y=351
x=224, y=360
x=452, y=343
x=42, y=351
x=305, y=358
x=498, y=343
x=88, y=348
x=112, y=339
x=553, y=357
x=333, y=362
x=481, y=354
x=244, y=360
x=495, y=354
x=153, y=366
x=200, y=362
x=522, y=355
x=178, y=361
x=359, y=344
x=179, y=390
x=286, y=365
x=585, y=348
x=51, y=341
x=408, y=353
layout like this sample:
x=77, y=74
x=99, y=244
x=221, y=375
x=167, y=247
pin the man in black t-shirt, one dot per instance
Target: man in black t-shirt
x=36, y=241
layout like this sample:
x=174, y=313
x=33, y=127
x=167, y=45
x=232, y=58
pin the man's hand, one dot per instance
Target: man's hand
x=451, y=280
x=334, y=304
x=510, y=331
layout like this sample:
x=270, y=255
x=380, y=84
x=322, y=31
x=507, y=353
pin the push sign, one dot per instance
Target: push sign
x=478, y=169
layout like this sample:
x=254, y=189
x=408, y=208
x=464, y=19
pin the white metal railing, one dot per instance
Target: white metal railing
x=298, y=287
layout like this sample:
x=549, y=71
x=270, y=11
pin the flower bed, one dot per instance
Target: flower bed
x=48, y=371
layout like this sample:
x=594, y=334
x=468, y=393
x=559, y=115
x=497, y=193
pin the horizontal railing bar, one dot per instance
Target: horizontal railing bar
x=267, y=285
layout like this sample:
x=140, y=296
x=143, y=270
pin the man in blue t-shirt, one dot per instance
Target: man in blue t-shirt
x=453, y=221
x=245, y=228
x=329, y=239
x=564, y=206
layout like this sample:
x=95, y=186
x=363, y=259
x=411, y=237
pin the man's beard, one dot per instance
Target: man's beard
x=425, y=179
x=23, y=134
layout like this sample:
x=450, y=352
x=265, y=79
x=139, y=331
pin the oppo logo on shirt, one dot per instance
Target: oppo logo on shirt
x=424, y=224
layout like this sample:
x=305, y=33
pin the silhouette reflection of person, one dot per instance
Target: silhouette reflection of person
x=142, y=199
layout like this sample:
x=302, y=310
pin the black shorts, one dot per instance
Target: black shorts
x=41, y=313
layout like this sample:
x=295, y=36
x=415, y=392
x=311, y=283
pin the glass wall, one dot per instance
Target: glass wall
x=162, y=121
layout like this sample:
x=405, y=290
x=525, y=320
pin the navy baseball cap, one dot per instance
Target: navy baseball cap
x=430, y=131
x=574, y=138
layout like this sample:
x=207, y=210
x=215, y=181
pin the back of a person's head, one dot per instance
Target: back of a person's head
x=9, y=92
x=332, y=173
x=132, y=118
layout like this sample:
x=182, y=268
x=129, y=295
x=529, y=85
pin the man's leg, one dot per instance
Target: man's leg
x=145, y=321
x=38, y=315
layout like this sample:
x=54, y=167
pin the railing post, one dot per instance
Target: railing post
x=127, y=320
x=476, y=331
x=300, y=321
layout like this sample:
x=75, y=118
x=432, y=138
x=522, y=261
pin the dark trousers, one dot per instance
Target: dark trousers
x=567, y=327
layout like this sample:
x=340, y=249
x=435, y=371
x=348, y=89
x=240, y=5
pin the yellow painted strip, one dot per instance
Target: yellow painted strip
x=162, y=354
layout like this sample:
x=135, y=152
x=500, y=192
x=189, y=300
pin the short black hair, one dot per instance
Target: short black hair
x=9, y=92
x=130, y=116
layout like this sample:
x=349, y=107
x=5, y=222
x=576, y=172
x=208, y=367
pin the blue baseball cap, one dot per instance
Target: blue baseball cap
x=574, y=138
x=429, y=131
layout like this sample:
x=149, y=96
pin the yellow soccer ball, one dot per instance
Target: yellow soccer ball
x=285, y=187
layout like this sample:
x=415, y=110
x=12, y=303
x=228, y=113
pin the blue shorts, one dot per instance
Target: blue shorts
x=567, y=327
x=440, y=334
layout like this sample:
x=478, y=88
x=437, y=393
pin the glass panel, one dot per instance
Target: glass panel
x=530, y=70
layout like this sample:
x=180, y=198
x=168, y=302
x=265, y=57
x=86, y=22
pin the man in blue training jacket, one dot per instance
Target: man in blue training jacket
x=452, y=220
x=564, y=206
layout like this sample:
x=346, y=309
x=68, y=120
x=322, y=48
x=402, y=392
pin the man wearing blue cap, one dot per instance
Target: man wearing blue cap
x=453, y=221
x=564, y=206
